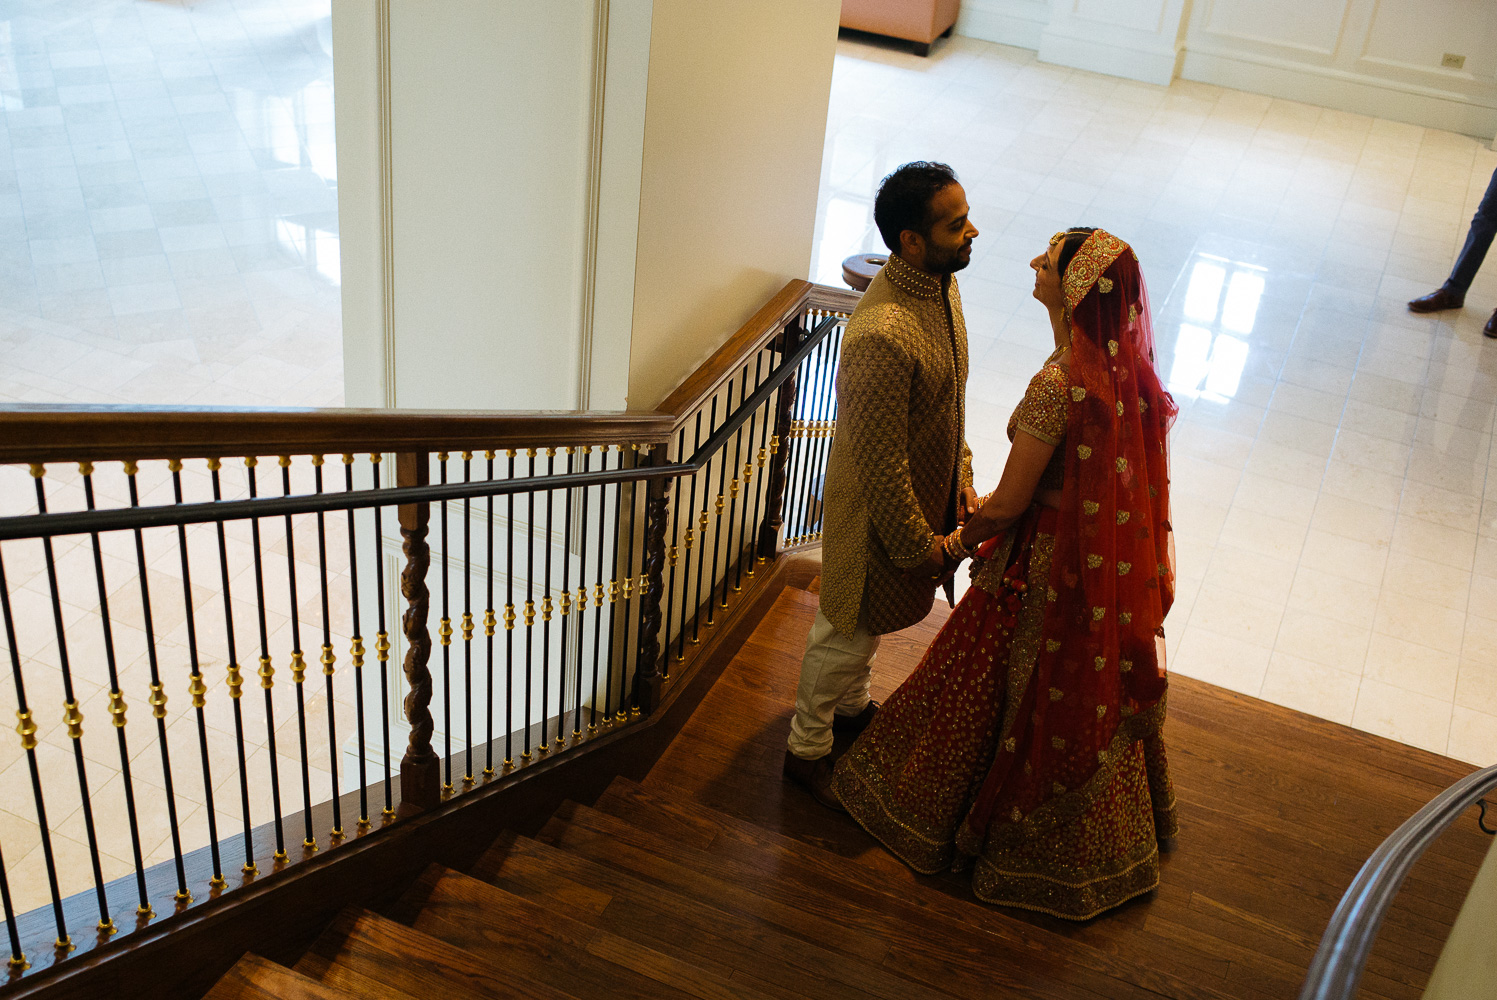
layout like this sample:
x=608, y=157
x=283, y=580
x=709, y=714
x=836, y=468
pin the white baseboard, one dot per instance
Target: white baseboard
x=1007, y=22
x=1331, y=88
x=1147, y=65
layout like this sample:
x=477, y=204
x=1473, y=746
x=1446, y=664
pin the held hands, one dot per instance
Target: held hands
x=968, y=504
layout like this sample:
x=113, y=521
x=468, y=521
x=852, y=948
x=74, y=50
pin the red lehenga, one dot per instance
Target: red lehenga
x=1027, y=743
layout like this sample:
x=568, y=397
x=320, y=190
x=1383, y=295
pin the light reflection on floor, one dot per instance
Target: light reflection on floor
x=1336, y=529
x=168, y=203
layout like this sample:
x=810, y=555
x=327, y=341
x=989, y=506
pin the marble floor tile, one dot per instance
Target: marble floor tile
x=1330, y=463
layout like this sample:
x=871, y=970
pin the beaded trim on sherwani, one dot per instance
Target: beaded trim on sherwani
x=912, y=281
x=1095, y=256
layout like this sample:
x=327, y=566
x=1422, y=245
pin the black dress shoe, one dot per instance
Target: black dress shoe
x=855, y=724
x=1490, y=330
x=1438, y=300
x=815, y=776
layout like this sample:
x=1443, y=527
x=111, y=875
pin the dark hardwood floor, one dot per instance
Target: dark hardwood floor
x=713, y=879
x=1278, y=811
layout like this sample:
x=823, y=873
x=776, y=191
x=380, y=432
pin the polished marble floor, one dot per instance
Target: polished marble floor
x=1337, y=527
x=168, y=203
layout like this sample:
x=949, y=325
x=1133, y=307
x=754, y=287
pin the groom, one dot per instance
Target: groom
x=900, y=472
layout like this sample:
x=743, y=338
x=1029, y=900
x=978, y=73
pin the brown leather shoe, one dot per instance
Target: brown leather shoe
x=855, y=724
x=815, y=776
x=1438, y=300
x=1491, y=328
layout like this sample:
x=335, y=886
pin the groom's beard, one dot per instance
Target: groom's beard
x=949, y=262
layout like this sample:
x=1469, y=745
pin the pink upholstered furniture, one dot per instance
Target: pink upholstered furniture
x=919, y=21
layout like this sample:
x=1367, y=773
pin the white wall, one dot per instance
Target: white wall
x=732, y=158
x=1378, y=57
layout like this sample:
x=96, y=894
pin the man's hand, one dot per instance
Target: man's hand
x=967, y=505
x=934, y=566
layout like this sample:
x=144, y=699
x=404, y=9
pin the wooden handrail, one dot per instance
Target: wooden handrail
x=47, y=433
x=762, y=327
x=63, y=433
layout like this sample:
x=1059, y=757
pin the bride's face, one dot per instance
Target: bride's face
x=1047, y=277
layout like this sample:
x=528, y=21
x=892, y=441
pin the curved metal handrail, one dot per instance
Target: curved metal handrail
x=1339, y=962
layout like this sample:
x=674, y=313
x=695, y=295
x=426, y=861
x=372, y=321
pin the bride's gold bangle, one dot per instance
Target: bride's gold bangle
x=954, y=547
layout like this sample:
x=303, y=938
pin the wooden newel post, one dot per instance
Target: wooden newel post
x=647, y=676
x=420, y=775
x=779, y=451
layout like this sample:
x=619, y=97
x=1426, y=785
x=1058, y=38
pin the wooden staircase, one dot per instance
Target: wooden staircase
x=712, y=879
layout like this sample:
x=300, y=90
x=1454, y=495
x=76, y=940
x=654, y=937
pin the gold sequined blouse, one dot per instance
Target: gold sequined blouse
x=1043, y=412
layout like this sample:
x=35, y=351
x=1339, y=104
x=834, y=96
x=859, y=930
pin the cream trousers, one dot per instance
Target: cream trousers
x=834, y=679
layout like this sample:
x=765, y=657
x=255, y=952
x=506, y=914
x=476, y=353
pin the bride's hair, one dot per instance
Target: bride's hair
x=1075, y=236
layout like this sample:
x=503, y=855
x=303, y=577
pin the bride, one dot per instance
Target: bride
x=1027, y=743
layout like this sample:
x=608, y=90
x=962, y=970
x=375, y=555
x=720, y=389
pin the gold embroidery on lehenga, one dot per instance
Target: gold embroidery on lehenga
x=1123, y=516
x=1123, y=568
x=1084, y=451
x=1094, y=560
x=1089, y=506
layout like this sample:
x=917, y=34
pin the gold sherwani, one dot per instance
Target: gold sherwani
x=900, y=459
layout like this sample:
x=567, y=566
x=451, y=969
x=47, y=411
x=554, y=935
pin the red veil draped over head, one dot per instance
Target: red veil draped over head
x=1098, y=680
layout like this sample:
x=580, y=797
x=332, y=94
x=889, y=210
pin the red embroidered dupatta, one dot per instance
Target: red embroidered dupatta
x=1098, y=679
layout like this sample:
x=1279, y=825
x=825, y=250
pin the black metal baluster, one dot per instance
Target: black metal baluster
x=327, y=659
x=382, y=638
x=157, y=700
x=748, y=489
x=821, y=403
x=298, y=667
x=195, y=686
x=356, y=653
x=509, y=620
x=702, y=522
x=718, y=506
x=566, y=604
x=636, y=526
x=810, y=427
x=490, y=623
x=445, y=634
x=613, y=595
x=546, y=608
x=828, y=432
x=234, y=676
x=670, y=587
x=771, y=405
x=729, y=560
x=529, y=597
x=267, y=677
x=27, y=728
x=468, y=619
x=592, y=724
x=587, y=461
x=116, y=703
x=797, y=444
x=17, y=961
x=689, y=544
x=73, y=718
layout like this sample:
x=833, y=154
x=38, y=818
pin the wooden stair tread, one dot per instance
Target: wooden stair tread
x=368, y=955
x=693, y=927
x=545, y=945
x=922, y=942
x=744, y=846
x=256, y=978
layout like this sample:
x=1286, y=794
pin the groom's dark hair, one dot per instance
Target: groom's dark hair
x=904, y=198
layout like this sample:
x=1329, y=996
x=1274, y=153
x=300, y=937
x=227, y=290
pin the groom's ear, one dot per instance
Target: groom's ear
x=911, y=245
